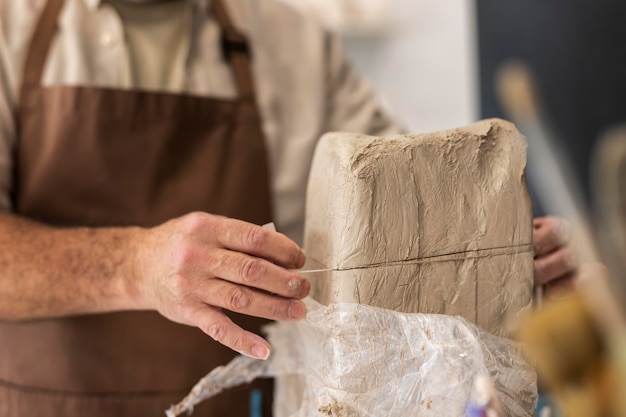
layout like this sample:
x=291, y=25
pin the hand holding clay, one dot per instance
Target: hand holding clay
x=192, y=267
x=556, y=261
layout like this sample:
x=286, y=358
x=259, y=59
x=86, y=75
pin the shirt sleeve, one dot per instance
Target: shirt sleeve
x=7, y=123
x=352, y=104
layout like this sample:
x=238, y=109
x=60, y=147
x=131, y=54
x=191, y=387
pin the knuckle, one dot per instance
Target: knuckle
x=560, y=231
x=252, y=270
x=194, y=222
x=238, y=299
x=279, y=310
x=570, y=260
x=237, y=343
x=255, y=239
x=274, y=310
x=179, y=285
x=192, y=312
x=215, y=260
x=188, y=313
x=553, y=236
x=184, y=257
x=217, y=332
x=566, y=228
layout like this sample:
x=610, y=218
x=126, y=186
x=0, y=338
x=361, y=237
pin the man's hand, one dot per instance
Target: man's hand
x=191, y=268
x=556, y=261
x=188, y=269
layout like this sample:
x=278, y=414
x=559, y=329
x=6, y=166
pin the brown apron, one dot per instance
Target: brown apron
x=107, y=157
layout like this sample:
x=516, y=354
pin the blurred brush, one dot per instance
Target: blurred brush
x=608, y=178
x=579, y=348
x=578, y=341
x=549, y=171
x=568, y=352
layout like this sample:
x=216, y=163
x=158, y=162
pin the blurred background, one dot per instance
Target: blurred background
x=557, y=68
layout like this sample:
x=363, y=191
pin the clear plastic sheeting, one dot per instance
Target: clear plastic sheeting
x=357, y=360
x=239, y=371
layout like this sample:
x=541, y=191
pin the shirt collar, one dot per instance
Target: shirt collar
x=92, y=4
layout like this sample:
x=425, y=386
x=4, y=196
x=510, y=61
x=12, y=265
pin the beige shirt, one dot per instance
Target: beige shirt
x=157, y=42
x=305, y=87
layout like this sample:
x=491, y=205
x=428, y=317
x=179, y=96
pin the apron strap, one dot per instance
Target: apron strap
x=41, y=41
x=236, y=50
x=234, y=45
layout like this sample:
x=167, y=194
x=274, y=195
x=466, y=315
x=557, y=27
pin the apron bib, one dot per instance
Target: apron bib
x=106, y=157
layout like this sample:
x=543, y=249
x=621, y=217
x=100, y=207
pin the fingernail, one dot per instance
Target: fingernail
x=260, y=352
x=301, y=259
x=294, y=284
x=297, y=310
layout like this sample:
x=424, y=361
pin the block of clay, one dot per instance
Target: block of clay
x=431, y=223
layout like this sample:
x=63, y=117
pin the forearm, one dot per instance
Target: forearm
x=188, y=269
x=52, y=272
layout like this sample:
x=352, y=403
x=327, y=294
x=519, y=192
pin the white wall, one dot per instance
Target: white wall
x=424, y=65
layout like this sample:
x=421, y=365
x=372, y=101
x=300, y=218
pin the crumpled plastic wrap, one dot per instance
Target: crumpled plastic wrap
x=358, y=360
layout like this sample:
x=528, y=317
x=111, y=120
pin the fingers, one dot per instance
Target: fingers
x=254, y=240
x=555, y=265
x=255, y=272
x=198, y=264
x=219, y=327
x=549, y=234
x=556, y=262
x=248, y=301
x=561, y=286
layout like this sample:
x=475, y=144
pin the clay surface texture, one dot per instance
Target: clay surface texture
x=408, y=230
x=432, y=223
